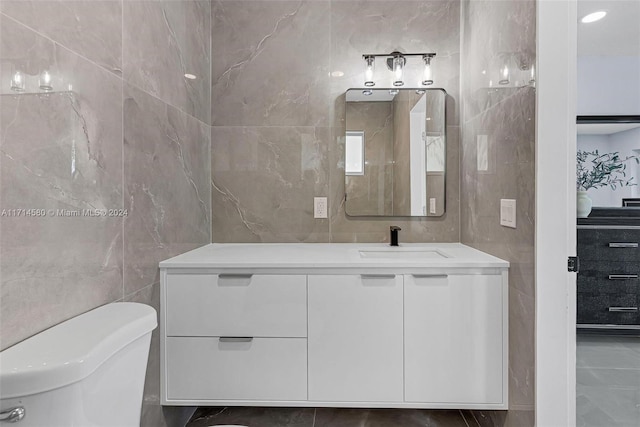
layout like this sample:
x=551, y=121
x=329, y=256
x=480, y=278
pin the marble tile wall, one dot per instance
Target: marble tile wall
x=495, y=32
x=123, y=129
x=279, y=73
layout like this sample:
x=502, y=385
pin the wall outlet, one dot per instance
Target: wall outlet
x=320, y=207
x=508, y=213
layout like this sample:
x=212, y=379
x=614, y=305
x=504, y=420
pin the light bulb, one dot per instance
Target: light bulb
x=368, y=72
x=427, y=78
x=532, y=80
x=18, y=82
x=45, y=81
x=504, y=75
x=398, y=70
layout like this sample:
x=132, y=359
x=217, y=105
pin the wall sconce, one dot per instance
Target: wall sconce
x=396, y=62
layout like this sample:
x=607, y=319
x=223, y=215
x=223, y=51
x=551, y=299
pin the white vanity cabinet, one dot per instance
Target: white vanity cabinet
x=355, y=338
x=454, y=337
x=317, y=325
x=237, y=336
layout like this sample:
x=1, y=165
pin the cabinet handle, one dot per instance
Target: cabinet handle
x=378, y=276
x=12, y=415
x=622, y=276
x=624, y=309
x=235, y=276
x=623, y=245
x=235, y=339
x=430, y=276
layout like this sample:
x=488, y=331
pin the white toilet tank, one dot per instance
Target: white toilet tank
x=87, y=371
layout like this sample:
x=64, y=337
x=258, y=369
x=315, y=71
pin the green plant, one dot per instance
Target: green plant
x=600, y=170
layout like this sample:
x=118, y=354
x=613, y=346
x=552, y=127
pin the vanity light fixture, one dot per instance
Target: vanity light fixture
x=396, y=62
x=593, y=17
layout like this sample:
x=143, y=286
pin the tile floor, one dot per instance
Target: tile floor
x=330, y=417
x=608, y=381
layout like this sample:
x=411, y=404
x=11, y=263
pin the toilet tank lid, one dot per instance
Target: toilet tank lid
x=72, y=350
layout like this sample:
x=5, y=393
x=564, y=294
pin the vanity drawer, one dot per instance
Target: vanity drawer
x=608, y=309
x=211, y=368
x=236, y=305
x=609, y=244
x=609, y=277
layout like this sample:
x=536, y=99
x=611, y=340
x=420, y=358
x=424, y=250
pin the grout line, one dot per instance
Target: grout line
x=103, y=68
x=128, y=296
x=122, y=144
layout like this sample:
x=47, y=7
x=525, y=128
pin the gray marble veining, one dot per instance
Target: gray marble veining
x=270, y=63
x=92, y=29
x=173, y=43
x=61, y=153
x=263, y=183
x=166, y=180
x=64, y=151
x=287, y=64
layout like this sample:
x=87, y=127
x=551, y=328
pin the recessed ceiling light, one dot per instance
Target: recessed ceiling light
x=593, y=17
x=190, y=76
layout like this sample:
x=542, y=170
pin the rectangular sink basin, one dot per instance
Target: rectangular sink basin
x=412, y=254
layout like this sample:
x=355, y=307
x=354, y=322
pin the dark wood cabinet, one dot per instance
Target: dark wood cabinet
x=609, y=277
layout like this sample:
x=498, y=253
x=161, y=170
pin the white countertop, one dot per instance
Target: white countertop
x=332, y=255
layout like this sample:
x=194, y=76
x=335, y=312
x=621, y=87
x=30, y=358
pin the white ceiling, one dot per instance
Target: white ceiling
x=617, y=34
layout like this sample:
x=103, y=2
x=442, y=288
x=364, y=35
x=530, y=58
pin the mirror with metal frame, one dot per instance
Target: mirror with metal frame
x=395, y=152
x=609, y=134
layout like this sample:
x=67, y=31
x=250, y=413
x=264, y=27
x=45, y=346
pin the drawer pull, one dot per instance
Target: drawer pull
x=430, y=276
x=235, y=276
x=378, y=276
x=622, y=245
x=622, y=276
x=235, y=339
x=624, y=309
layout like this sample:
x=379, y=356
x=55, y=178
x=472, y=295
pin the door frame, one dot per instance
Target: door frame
x=555, y=212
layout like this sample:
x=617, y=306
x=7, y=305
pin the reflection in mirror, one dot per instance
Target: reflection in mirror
x=395, y=151
x=609, y=134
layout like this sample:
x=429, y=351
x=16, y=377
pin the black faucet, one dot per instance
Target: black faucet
x=394, y=234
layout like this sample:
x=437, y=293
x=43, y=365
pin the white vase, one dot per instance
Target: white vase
x=583, y=204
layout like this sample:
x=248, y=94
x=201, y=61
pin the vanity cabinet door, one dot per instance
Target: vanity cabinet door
x=355, y=338
x=454, y=339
